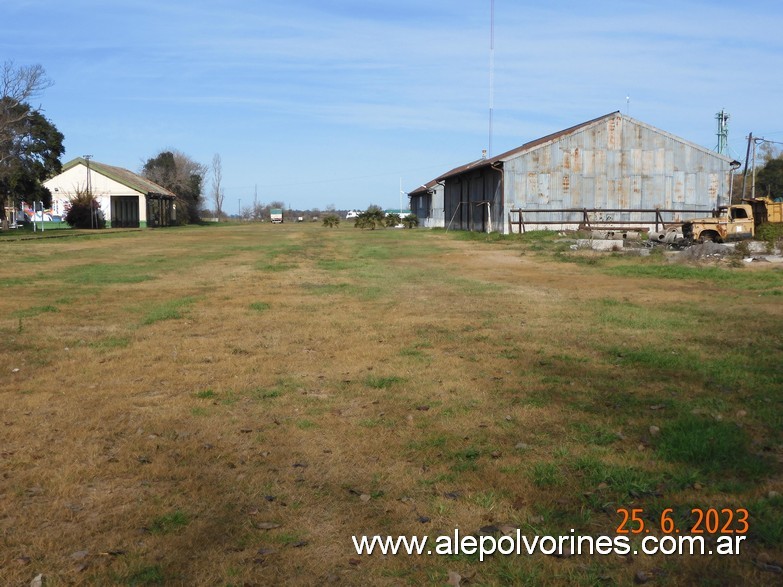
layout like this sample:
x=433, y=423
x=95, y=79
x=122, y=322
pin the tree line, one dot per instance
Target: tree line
x=31, y=147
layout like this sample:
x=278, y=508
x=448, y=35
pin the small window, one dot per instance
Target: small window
x=739, y=213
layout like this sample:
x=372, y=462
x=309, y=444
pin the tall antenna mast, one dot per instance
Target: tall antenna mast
x=491, y=71
x=723, y=132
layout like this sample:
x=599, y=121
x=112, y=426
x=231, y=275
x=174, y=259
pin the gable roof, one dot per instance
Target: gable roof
x=424, y=188
x=479, y=163
x=120, y=175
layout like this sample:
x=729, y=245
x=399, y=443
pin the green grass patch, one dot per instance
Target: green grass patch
x=263, y=393
x=377, y=382
x=266, y=393
x=105, y=274
x=545, y=475
x=168, y=523
x=112, y=342
x=413, y=353
x=337, y=264
x=752, y=280
x=169, y=310
x=35, y=311
x=259, y=306
x=595, y=435
x=715, y=447
x=275, y=267
x=466, y=459
x=766, y=520
x=625, y=481
x=206, y=394
x=149, y=575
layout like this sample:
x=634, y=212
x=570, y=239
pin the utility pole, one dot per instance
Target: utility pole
x=745, y=172
x=753, y=183
x=93, y=220
x=400, y=196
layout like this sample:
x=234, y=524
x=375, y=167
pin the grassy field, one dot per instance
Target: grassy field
x=228, y=405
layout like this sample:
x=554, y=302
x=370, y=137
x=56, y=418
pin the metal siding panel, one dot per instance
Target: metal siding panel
x=587, y=194
x=555, y=189
x=601, y=198
x=648, y=162
x=600, y=163
x=660, y=161
x=690, y=188
x=679, y=188
x=543, y=188
x=532, y=188
x=588, y=163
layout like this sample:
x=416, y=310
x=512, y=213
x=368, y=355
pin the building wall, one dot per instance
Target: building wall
x=429, y=209
x=616, y=163
x=64, y=186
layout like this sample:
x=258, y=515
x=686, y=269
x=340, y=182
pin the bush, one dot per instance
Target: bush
x=85, y=212
x=371, y=218
x=771, y=234
x=410, y=221
x=331, y=221
x=392, y=220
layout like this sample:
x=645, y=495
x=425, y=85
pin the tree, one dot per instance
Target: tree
x=769, y=179
x=18, y=85
x=30, y=145
x=180, y=174
x=372, y=218
x=30, y=151
x=217, y=190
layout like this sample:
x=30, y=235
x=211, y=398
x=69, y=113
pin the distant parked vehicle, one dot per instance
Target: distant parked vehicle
x=276, y=215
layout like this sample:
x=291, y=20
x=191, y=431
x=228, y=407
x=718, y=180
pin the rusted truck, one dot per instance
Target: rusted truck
x=735, y=222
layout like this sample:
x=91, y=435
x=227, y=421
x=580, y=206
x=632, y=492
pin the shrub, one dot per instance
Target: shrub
x=371, y=218
x=331, y=221
x=85, y=212
x=410, y=221
x=392, y=220
x=772, y=234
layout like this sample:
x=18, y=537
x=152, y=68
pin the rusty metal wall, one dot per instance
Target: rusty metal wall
x=617, y=163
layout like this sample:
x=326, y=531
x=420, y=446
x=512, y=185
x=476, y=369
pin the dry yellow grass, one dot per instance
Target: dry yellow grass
x=168, y=396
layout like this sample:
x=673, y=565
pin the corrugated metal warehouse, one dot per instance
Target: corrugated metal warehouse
x=611, y=162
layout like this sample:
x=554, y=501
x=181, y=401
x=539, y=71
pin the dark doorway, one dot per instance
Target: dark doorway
x=124, y=212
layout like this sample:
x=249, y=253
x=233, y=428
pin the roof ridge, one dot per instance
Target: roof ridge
x=121, y=175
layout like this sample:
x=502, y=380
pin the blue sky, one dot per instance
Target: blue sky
x=319, y=102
